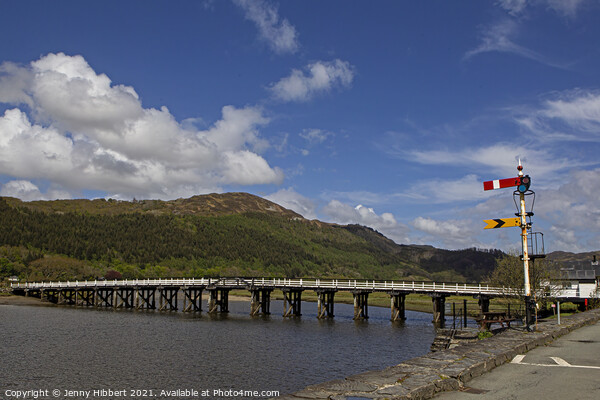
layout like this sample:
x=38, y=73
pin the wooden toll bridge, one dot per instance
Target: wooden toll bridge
x=145, y=294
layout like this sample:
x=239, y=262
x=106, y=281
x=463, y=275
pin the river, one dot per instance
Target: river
x=172, y=354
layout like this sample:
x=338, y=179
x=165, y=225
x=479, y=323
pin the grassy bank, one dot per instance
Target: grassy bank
x=414, y=302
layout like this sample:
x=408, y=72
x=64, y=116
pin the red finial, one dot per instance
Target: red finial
x=520, y=168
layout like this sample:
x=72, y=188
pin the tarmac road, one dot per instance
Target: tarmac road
x=567, y=369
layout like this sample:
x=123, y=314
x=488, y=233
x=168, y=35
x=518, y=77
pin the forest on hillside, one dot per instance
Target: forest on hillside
x=42, y=245
x=142, y=245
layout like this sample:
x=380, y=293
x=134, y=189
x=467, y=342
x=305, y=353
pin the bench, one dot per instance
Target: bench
x=494, y=317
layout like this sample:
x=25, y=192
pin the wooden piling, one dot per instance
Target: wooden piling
x=325, y=303
x=292, y=302
x=361, y=304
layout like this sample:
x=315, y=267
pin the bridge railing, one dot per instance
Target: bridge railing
x=280, y=283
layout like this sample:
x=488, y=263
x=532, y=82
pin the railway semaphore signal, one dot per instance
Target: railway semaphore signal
x=522, y=183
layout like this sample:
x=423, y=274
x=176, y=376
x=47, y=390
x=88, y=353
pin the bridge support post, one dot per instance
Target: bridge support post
x=66, y=296
x=439, y=309
x=52, y=295
x=260, y=303
x=85, y=297
x=397, y=303
x=361, y=304
x=218, y=300
x=105, y=297
x=167, y=298
x=292, y=302
x=124, y=298
x=325, y=303
x=145, y=298
x=192, y=299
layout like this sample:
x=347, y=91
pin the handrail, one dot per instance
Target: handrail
x=305, y=284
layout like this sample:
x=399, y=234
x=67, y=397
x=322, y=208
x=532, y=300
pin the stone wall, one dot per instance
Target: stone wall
x=422, y=377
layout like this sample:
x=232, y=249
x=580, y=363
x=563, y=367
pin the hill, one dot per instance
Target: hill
x=574, y=260
x=211, y=235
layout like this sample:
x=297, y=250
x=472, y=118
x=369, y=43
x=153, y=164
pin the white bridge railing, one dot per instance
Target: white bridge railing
x=279, y=283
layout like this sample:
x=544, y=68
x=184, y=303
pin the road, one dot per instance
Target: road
x=569, y=368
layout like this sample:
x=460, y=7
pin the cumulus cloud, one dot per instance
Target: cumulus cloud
x=320, y=76
x=27, y=191
x=385, y=223
x=453, y=234
x=294, y=201
x=84, y=132
x=280, y=35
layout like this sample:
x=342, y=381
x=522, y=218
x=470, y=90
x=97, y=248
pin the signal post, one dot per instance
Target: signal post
x=522, y=183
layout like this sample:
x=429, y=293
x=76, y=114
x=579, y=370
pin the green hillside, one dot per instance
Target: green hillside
x=213, y=235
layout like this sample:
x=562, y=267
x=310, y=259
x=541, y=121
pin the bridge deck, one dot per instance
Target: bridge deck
x=283, y=283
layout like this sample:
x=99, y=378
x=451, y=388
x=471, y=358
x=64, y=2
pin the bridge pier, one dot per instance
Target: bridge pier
x=167, y=298
x=292, y=302
x=145, y=298
x=361, y=304
x=325, y=303
x=192, y=299
x=260, y=303
x=52, y=295
x=33, y=293
x=439, y=308
x=124, y=298
x=218, y=300
x=85, y=297
x=397, y=303
x=105, y=297
x=67, y=296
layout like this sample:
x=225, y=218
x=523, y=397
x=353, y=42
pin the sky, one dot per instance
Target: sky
x=389, y=114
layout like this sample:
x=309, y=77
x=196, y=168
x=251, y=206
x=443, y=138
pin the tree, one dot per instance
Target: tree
x=544, y=277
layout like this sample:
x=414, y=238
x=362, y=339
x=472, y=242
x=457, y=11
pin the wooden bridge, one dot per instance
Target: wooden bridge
x=145, y=294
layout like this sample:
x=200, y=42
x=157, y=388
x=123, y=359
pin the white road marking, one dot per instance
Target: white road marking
x=559, y=363
x=518, y=359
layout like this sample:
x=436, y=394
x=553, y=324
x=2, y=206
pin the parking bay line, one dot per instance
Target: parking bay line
x=559, y=363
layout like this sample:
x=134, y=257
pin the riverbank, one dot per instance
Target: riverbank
x=447, y=370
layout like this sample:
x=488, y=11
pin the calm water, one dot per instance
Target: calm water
x=69, y=348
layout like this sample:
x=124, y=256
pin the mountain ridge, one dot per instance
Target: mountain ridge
x=215, y=234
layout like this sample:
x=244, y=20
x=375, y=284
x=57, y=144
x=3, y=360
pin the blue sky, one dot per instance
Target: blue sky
x=389, y=114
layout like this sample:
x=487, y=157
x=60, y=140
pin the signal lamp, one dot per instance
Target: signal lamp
x=524, y=183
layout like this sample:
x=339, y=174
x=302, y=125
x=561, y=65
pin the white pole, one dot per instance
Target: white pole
x=558, y=310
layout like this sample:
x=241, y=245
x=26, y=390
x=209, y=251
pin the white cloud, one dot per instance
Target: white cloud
x=572, y=115
x=294, y=201
x=467, y=188
x=499, y=38
x=514, y=7
x=566, y=8
x=322, y=76
x=27, y=191
x=315, y=136
x=386, y=223
x=86, y=133
x=500, y=157
x=280, y=35
x=451, y=233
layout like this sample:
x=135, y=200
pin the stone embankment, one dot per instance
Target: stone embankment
x=451, y=369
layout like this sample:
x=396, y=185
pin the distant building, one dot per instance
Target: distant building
x=13, y=279
x=583, y=283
